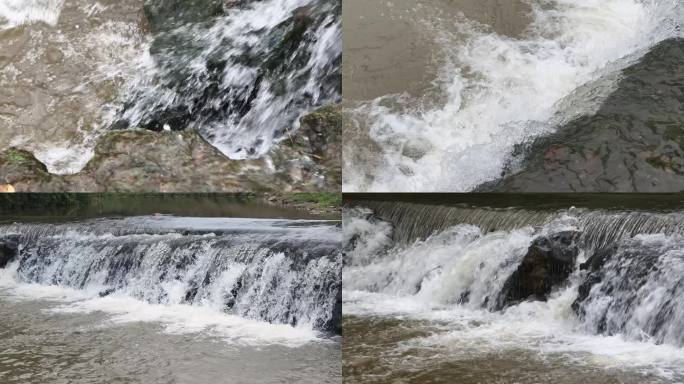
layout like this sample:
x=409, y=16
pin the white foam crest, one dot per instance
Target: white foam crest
x=187, y=319
x=445, y=266
x=540, y=328
x=513, y=91
x=461, y=260
x=20, y=291
x=65, y=158
x=637, y=293
x=14, y=13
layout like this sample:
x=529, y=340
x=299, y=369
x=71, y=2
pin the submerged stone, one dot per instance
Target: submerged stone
x=417, y=148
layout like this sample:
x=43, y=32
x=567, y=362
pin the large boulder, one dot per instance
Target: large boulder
x=633, y=143
x=548, y=263
x=334, y=325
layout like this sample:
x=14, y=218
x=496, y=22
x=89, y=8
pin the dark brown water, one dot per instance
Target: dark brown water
x=375, y=351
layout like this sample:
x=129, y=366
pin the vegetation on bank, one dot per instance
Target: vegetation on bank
x=324, y=199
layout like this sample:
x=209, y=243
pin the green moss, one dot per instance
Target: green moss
x=16, y=156
x=659, y=162
x=323, y=199
x=676, y=134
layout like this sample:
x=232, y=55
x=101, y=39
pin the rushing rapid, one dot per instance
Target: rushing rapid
x=499, y=92
x=242, y=79
x=229, y=276
x=569, y=295
x=239, y=73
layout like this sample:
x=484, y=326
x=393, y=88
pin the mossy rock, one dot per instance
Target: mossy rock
x=22, y=170
x=140, y=160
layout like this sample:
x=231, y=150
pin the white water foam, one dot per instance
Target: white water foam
x=514, y=91
x=14, y=13
x=176, y=318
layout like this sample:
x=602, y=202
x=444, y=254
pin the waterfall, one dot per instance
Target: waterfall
x=598, y=272
x=242, y=78
x=412, y=221
x=277, y=271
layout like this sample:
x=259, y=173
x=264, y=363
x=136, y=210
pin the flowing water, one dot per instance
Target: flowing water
x=171, y=299
x=241, y=76
x=477, y=81
x=58, y=67
x=430, y=301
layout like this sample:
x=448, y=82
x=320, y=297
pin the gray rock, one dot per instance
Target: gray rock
x=634, y=143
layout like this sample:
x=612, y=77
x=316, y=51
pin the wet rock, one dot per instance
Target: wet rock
x=168, y=14
x=140, y=160
x=54, y=55
x=334, y=326
x=633, y=143
x=9, y=249
x=548, y=263
x=312, y=154
x=279, y=65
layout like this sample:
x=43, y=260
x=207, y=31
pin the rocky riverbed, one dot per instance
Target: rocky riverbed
x=142, y=160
